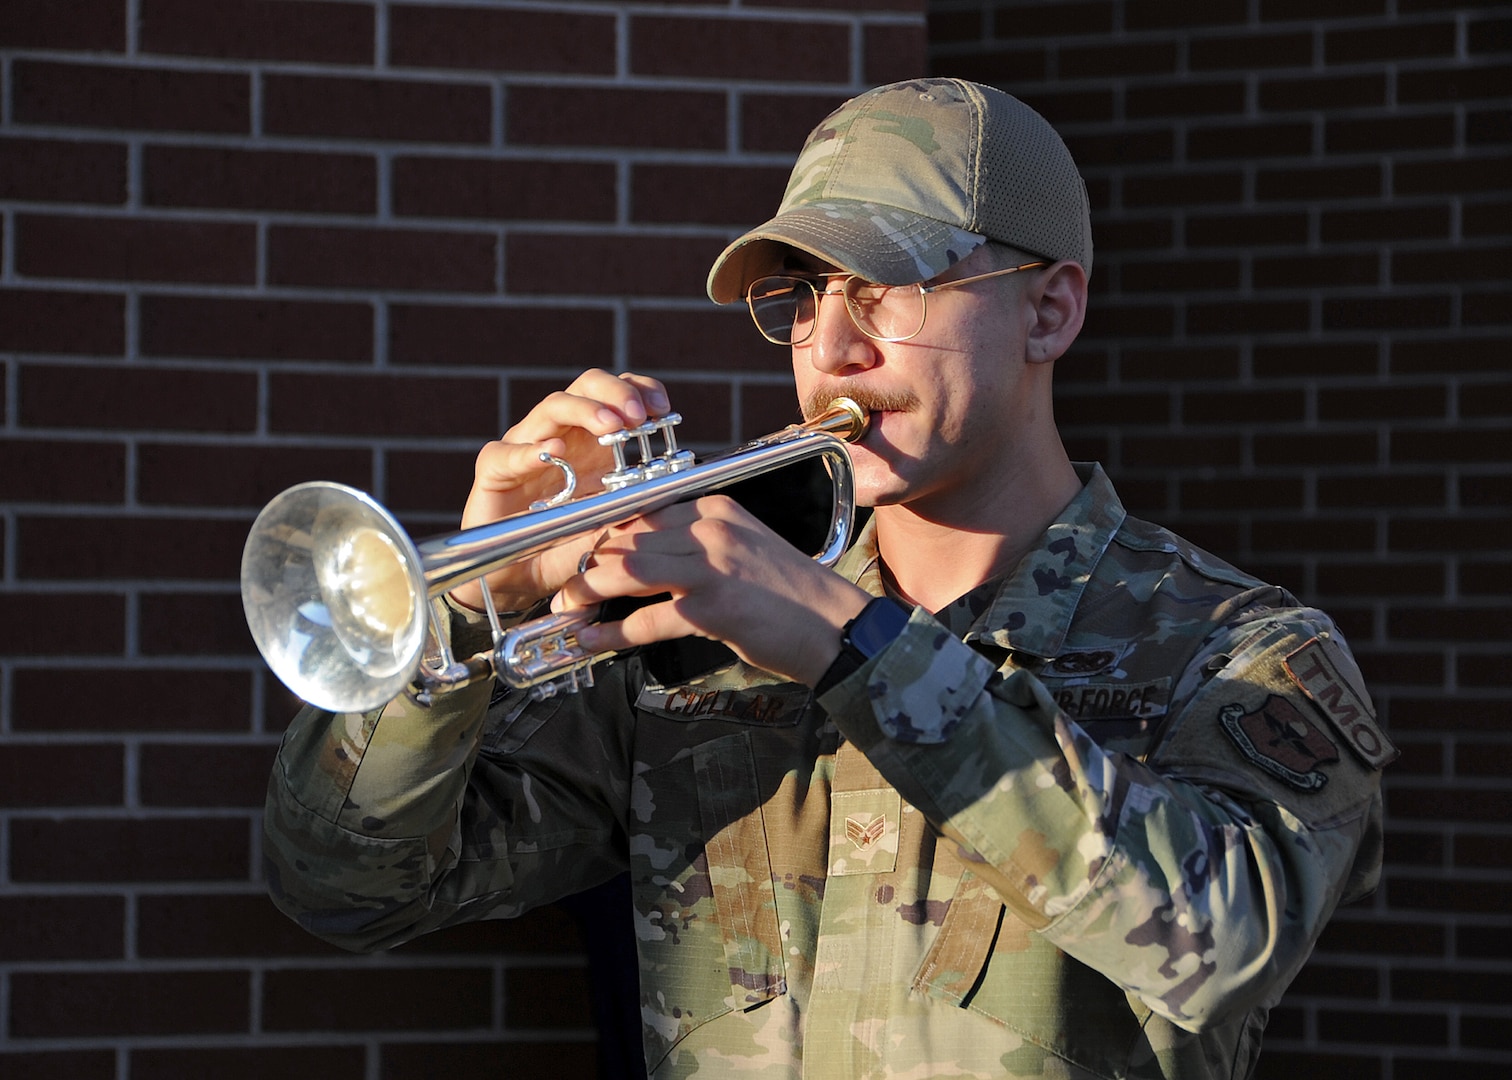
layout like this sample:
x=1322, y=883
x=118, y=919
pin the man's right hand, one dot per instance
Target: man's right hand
x=510, y=475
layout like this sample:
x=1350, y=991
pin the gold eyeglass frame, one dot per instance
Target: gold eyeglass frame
x=844, y=290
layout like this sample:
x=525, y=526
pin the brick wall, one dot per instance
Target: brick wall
x=1299, y=355
x=250, y=243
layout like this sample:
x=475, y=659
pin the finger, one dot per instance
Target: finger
x=661, y=621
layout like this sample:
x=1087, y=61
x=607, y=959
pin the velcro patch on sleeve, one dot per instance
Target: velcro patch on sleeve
x=1316, y=671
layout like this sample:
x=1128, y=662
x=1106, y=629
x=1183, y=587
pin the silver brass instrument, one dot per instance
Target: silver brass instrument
x=346, y=609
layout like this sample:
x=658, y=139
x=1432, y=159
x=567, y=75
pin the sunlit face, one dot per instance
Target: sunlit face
x=947, y=405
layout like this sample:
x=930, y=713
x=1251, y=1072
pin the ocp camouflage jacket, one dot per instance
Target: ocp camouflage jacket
x=1086, y=822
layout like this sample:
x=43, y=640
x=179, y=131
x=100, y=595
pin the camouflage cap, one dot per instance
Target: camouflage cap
x=904, y=180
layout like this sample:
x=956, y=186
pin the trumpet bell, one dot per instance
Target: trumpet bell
x=335, y=597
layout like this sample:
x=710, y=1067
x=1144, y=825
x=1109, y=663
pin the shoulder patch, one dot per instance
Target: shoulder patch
x=1313, y=669
x=1282, y=741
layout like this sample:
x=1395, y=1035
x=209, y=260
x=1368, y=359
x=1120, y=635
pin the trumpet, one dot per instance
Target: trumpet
x=347, y=609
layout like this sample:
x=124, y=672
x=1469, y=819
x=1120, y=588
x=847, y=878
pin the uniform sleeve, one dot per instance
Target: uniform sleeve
x=1198, y=878
x=383, y=826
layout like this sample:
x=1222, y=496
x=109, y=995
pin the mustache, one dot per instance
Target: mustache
x=873, y=401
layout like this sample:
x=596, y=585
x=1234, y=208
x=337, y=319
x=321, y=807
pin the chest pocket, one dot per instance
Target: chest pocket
x=705, y=915
x=989, y=962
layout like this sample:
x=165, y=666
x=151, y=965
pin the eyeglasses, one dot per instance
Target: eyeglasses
x=784, y=306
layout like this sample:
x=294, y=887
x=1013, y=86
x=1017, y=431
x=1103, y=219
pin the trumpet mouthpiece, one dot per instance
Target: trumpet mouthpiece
x=844, y=419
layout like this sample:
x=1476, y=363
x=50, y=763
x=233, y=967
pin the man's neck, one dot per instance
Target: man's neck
x=934, y=554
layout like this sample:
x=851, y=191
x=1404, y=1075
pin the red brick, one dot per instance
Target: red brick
x=205, y=774
x=1158, y=16
x=892, y=53
x=81, y=1004
x=472, y=1058
x=1454, y=83
x=1440, y=357
x=1187, y=98
x=52, y=170
x=493, y=335
x=1488, y=127
x=1246, y=229
x=366, y=108
x=193, y=624
x=133, y=700
x=136, y=249
x=378, y=1000
x=779, y=123
x=1103, y=407
x=1177, y=364
x=1322, y=92
x=70, y=549
x=1405, y=41
x=1382, y=403
x=334, y=33
x=62, y=471
x=545, y=997
x=1146, y=451
x=1250, y=51
x=766, y=408
x=1313, y=535
x=1488, y=536
x=437, y=481
x=1230, y=406
x=1386, y=312
x=1080, y=106
x=59, y=1065
x=48, y=321
x=504, y=190
x=136, y=398
x=1113, y=148
x=1395, y=579
x=1389, y=134
x=40, y=928
x=1451, y=176
x=1440, y=622
x=1054, y=19
x=1382, y=491
x=303, y=1062
x=381, y=258
x=1316, y=271
x=1485, y=491
x=22, y=633
x=131, y=98
x=1248, y=317
x=1183, y=188
x=705, y=195
x=1435, y=444
x=604, y=117
x=179, y=926
x=1172, y=274
x=1243, y=494
x=1491, y=578
x=129, y=849
x=1485, y=308
x=1288, y=10
x=1250, y=141
x=562, y=42
x=712, y=337
x=1122, y=321
x=1483, y=671
x=383, y=405
x=614, y=265
x=69, y=775
x=198, y=474
x=1450, y=265
x=1327, y=182
x=96, y=25
x=1385, y=223
x=1307, y=449
x=726, y=48
x=1117, y=60
x=253, y=328
x=224, y=177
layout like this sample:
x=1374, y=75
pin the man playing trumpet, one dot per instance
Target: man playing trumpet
x=1024, y=787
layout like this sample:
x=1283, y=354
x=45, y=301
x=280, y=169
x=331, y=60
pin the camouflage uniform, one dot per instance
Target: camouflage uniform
x=1086, y=822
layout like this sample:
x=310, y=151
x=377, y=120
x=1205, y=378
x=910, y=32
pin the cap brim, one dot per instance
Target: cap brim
x=880, y=243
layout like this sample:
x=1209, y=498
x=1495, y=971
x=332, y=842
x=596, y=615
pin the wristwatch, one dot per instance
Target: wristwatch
x=873, y=630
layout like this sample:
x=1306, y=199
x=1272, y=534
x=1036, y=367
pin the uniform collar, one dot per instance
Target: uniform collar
x=1030, y=609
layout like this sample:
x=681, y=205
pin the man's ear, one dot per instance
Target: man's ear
x=1059, y=305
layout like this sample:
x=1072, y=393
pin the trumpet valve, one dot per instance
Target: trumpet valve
x=651, y=463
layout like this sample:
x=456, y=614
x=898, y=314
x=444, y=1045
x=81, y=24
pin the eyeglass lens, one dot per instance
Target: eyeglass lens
x=783, y=308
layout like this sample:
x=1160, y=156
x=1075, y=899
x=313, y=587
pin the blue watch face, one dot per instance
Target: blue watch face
x=877, y=626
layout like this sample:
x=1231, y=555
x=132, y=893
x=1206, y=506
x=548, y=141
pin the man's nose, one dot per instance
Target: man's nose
x=837, y=345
